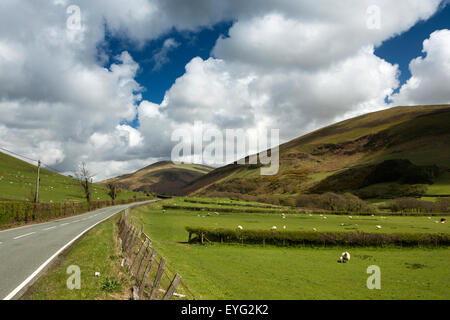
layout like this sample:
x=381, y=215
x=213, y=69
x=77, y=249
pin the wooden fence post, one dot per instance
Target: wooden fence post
x=139, y=255
x=157, y=281
x=173, y=286
x=128, y=239
x=125, y=235
x=141, y=264
x=133, y=246
x=147, y=272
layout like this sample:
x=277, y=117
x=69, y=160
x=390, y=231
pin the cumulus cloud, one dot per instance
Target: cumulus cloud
x=161, y=57
x=293, y=65
x=430, y=74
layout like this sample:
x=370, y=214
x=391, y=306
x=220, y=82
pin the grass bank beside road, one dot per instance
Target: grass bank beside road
x=97, y=251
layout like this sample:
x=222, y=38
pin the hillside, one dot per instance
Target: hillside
x=312, y=163
x=162, y=177
x=18, y=182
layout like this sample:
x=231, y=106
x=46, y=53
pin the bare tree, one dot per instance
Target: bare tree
x=113, y=190
x=85, y=179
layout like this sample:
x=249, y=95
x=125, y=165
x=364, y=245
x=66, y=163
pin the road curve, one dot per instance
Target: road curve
x=25, y=251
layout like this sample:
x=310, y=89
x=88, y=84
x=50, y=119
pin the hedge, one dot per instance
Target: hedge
x=300, y=211
x=296, y=238
x=20, y=212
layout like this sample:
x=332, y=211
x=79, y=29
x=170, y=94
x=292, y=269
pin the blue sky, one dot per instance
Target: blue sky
x=407, y=46
x=398, y=50
x=282, y=64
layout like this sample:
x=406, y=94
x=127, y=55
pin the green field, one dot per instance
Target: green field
x=18, y=182
x=229, y=271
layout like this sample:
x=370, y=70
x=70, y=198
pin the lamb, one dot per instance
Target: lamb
x=274, y=228
x=378, y=227
x=240, y=228
x=345, y=257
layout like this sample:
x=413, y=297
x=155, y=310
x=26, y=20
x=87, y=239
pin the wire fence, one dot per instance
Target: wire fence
x=152, y=278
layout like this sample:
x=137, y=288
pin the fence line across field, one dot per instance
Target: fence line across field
x=152, y=279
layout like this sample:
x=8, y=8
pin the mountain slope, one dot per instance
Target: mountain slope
x=18, y=182
x=420, y=134
x=162, y=177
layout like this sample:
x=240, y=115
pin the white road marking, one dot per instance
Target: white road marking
x=65, y=224
x=13, y=293
x=25, y=235
x=49, y=228
x=38, y=270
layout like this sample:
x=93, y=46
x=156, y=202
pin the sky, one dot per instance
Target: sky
x=107, y=82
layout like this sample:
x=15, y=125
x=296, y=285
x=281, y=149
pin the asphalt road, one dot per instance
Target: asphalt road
x=27, y=250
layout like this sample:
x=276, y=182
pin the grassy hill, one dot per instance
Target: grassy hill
x=317, y=162
x=18, y=181
x=163, y=177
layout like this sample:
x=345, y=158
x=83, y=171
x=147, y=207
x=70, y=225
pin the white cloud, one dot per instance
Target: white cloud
x=287, y=64
x=161, y=57
x=430, y=75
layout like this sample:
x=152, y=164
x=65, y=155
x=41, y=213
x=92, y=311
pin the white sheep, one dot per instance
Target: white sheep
x=284, y=227
x=240, y=228
x=378, y=227
x=314, y=229
x=274, y=228
x=350, y=217
x=345, y=257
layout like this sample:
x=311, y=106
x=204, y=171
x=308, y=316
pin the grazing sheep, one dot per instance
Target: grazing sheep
x=443, y=220
x=314, y=229
x=325, y=218
x=283, y=216
x=345, y=257
x=350, y=217
x=284, y=227
x=310, y=215
x=240, y=228
x=216, y=213
x=97, y=274
x=274, y=228
x=378, y=227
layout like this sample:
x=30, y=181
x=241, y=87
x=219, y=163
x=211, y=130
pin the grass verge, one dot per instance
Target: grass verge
x=97, y=251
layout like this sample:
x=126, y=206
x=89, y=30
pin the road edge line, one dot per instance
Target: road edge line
x=32, y=277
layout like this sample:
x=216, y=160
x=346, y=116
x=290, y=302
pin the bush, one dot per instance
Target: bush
x=18, y=212
x=419, y=206
x=334, y=202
